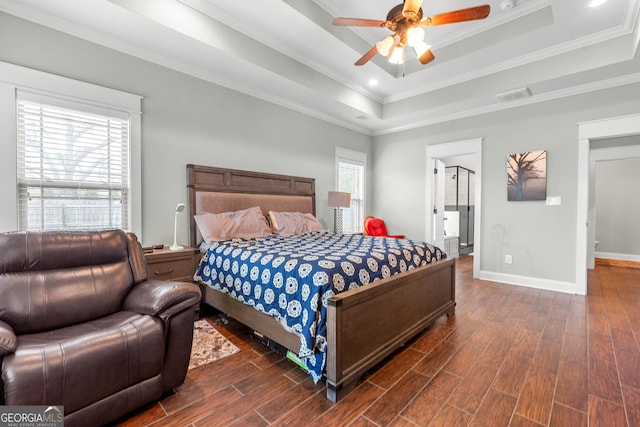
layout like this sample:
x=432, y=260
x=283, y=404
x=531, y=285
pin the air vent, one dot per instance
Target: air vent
x=514, y=95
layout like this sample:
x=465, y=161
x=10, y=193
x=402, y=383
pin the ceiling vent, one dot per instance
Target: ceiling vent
x=514, y=95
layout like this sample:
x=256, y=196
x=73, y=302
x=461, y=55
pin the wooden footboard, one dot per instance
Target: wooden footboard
x=364, y=325
x=367, y=324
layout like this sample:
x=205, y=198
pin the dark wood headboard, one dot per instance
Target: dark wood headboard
x=218, y=190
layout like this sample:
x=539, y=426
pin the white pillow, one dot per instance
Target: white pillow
x=246, y=223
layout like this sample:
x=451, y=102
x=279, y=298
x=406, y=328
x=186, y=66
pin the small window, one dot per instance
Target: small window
x=351, y=168
x=73, y=165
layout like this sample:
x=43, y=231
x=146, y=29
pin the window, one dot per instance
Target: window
x=71, y=155
x=72, y=165
x=350, y=168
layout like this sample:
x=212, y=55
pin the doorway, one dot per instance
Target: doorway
x=459, y=203
x=585, y=227
x=471, y=151
x=614, y=208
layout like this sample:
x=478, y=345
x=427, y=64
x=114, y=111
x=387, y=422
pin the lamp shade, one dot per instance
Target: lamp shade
x=338, y=199
x=396, y=56
x=384, y=45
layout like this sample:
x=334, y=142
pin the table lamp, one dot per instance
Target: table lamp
x=338, y=200
x=175, y=246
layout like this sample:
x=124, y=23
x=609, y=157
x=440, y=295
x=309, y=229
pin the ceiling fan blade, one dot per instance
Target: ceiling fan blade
x=367, y=56
x=411, y=8
x=358, y=22
x=470, y=14
x=427, y=57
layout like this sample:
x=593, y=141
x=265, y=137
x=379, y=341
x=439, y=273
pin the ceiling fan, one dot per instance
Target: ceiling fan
x=406, y=22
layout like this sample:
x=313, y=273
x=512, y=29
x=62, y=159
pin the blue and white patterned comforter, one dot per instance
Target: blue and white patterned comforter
x=291, y=278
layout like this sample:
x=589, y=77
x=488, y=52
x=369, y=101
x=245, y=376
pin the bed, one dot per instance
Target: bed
x=363, y=325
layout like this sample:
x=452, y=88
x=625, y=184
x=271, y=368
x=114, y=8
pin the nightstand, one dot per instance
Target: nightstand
x=177, y=266
x=165, y=264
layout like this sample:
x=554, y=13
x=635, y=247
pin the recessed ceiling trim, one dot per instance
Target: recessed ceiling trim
x=623, y=42
x=529, y=58
x=549, y=96
x=631, y=15
x=218, y=14
x=207, y=30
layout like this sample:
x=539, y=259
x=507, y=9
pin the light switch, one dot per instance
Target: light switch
x=554, y=201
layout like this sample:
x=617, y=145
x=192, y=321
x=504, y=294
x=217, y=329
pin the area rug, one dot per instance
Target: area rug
x=209, y=345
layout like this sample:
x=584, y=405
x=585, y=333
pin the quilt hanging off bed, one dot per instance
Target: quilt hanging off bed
x=291, y=278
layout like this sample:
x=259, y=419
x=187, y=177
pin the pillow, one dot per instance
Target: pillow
x=293, y=223
x=246, y=223
x=312, y=223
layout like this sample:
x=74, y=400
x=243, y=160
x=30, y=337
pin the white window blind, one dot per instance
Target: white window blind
x=351, y=179
x=73, y=165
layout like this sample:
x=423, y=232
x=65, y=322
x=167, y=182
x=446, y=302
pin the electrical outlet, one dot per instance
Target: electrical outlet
x=508, y=259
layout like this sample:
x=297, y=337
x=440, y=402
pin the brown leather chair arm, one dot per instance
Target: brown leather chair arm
x=136, y=259
x=8, y=339
x=157, y=297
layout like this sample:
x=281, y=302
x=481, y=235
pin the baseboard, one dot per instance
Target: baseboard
x=618, y=257
x=529, y=282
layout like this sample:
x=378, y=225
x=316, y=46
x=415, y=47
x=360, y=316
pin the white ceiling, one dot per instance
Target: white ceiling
x=288, y=52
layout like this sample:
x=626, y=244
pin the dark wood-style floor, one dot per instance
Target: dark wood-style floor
x=511, y=356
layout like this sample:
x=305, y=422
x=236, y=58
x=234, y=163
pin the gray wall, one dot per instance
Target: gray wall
x=187, y=120
x=542, y=239
x=618, y=207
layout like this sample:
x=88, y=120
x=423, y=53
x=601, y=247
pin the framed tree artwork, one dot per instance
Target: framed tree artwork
x=527, y=176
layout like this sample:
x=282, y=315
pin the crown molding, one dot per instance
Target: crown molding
x=549, y=96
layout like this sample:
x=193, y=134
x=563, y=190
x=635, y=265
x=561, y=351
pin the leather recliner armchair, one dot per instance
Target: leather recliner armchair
x=82, y=326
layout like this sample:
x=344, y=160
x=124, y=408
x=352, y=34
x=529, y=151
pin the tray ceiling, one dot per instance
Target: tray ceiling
x=288, y=52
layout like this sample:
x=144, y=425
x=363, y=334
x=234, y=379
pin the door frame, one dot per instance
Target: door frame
x=587, y=132
x=438, y=202
x=441, y=151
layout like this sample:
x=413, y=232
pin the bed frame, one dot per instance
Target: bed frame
x=364, y=325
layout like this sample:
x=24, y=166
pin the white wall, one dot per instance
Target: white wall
x=186, y=120
x=618, y=209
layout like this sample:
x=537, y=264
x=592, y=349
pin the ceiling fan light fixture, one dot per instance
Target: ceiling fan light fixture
x=415, y=36
x=407, y=22
x=385, y=45
x=397, y=55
